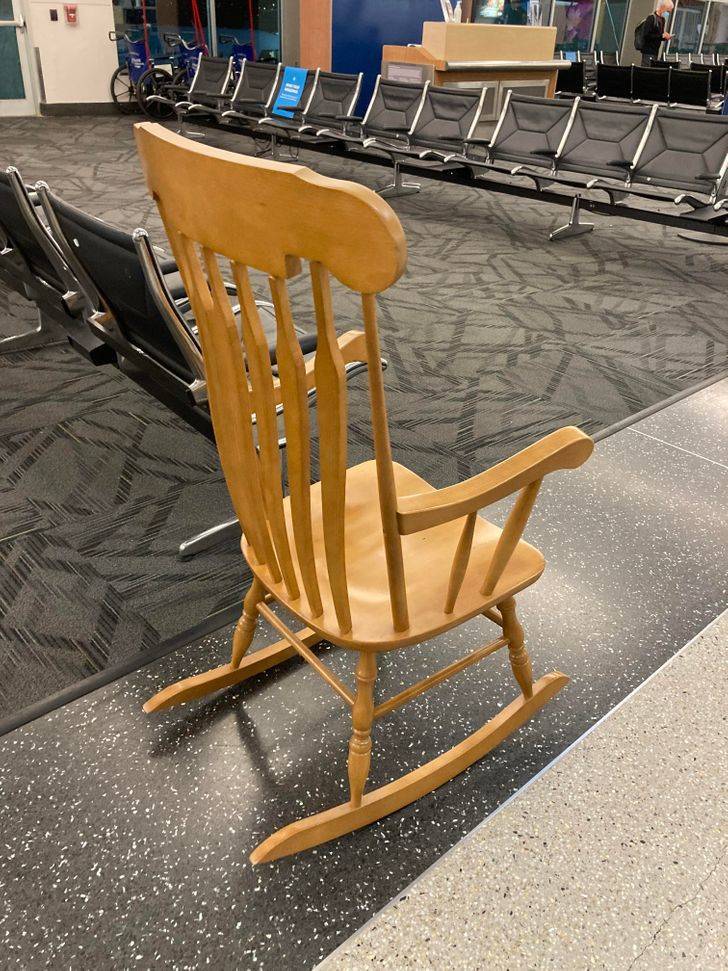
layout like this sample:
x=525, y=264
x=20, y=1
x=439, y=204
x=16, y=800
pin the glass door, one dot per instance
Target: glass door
x=16, y=92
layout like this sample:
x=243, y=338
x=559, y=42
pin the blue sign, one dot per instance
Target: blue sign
x=290, y=91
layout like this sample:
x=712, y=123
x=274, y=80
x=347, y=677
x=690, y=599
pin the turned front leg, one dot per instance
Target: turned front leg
x=520, y=661
x=245, y=627
x=362, y=716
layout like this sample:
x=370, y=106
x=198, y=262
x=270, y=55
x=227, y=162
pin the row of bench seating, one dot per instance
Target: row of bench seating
x=617, y=147
x=665, y=84
x=117, y=303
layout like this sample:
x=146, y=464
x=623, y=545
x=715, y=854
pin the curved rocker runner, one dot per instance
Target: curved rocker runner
x=371, y=557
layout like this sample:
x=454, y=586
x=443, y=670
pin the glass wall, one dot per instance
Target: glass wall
x=687, y=26
x=573, y=20
x=501, y=12
x=715, y=39
x=611, y=18
x=250, y=25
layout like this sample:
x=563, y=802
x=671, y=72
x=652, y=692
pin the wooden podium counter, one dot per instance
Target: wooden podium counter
x=495, y=56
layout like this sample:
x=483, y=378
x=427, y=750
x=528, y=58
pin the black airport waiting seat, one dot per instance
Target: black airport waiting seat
x=614, y=81
x=602, y=139
x=529, y=130
x=651, y=84
x=391, y=113
x=690, y=87
x=589, y=60
x=139, y=307
x=445, y=125
x=684, y=150
x=717, y=75
x=209, y=86
x=571, y=80
x=254, y=92
x=608, y=57
x=443, y=132
x=31, y=263
x=330, y=97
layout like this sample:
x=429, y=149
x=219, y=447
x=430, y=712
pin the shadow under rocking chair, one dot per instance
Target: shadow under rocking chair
x=371, y=558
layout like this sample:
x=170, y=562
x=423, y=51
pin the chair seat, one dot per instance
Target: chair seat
x=427, y=558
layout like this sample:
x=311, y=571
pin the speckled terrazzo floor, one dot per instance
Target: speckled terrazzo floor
x=615, y=858
x=126, y=837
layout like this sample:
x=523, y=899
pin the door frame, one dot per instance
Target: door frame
x=29, y=104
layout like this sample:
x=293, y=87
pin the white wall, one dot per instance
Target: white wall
x=76, y=61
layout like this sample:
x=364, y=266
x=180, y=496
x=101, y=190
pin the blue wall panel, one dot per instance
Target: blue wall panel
x=360, y=28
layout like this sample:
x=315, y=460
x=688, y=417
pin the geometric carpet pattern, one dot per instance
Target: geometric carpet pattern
x=493, y=337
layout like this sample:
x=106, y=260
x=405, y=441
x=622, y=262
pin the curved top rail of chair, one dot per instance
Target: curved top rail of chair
x=242, y=200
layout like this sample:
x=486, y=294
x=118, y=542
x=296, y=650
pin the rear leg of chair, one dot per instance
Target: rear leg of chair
x=520, y=661
x=398, y=187
x=362, y=716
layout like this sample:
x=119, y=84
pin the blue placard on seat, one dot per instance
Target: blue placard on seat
x=290, y=91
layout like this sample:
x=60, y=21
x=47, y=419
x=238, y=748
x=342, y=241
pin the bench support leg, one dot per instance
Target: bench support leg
x=398, y=187
x=46, y=331
x=209, y=538
x=574, y=227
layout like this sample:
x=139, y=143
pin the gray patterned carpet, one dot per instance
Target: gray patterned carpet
x=494, y=337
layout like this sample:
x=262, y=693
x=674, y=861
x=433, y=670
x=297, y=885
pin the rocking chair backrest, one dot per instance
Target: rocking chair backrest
x=268, y=216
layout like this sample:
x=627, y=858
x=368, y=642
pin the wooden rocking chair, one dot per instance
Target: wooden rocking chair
x=372, y=557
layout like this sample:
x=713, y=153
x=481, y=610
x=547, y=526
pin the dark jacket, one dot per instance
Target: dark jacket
x=654, y=29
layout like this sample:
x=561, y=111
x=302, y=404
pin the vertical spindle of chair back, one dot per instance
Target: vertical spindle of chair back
x=268, y=216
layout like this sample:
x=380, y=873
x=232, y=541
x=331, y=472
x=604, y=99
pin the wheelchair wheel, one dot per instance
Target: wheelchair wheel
x=122, y=91
x=153, y=81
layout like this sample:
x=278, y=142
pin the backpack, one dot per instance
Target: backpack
x=640, y=34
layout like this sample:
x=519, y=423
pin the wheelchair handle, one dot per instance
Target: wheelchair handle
x=229, y=39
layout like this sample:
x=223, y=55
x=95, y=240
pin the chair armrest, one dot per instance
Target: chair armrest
x=567, y=448
x=544, y=152
x=349, y=117
x=476, y=141
x=707, y=177
x=620, y=163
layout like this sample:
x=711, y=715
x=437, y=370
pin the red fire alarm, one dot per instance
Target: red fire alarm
x=71, y=12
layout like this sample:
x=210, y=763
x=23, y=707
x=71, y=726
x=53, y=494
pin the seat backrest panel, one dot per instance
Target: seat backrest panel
x=690, y=87
x=213, y=75
x=683, y=145
x=528, y=128
x=109, y=258
x=601, y=134
x=15, y=226
x=335, y=95
x=394, y=105
x=651, y=83
x=446, y=118
x=614, y=81
x=256, y=82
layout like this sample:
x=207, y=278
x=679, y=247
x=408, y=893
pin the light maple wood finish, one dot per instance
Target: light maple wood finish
x=371, y=557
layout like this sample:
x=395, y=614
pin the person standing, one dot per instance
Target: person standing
x=654, y=31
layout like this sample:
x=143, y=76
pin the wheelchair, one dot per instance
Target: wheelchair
x=182, y=59
x=141, y=74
